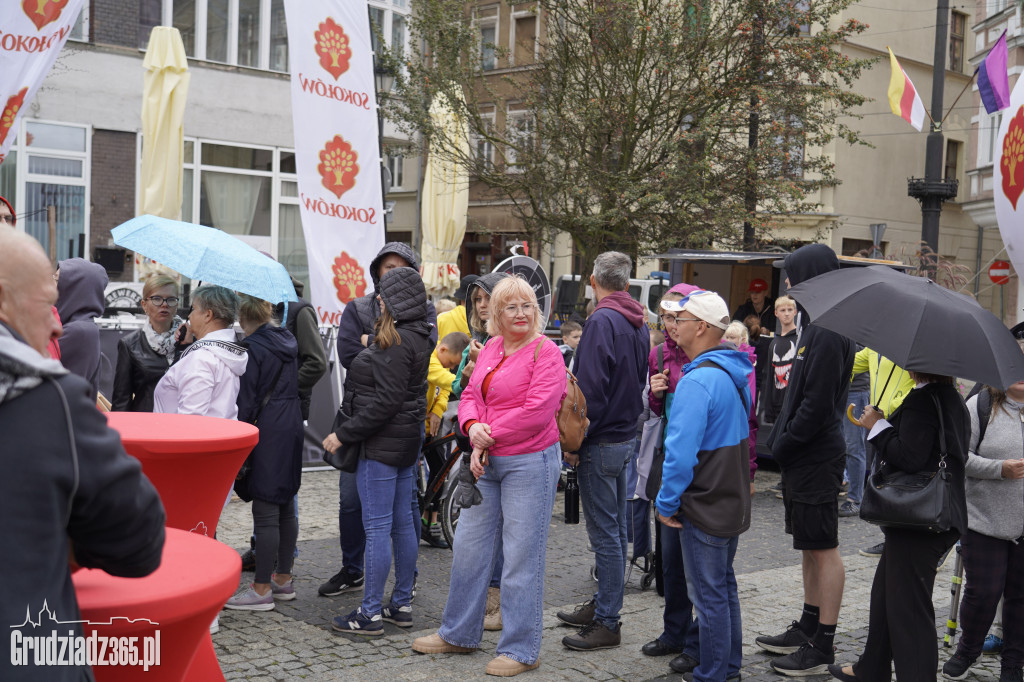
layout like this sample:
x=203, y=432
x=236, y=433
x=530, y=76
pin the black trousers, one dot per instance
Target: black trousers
x=992, y=567
x=901, y=626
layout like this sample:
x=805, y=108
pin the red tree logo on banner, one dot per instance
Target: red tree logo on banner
x=1012, y=161
x=10, y=112
x=338, y=168
x=43, y=12
x=349, y=281
x=332, y=45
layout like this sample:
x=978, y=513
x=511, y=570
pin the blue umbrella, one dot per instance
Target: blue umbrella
x=207, y=254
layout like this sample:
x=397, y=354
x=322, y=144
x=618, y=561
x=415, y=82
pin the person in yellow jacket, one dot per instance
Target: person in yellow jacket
x=455, y=320
x=888, y=384
x=443, y=360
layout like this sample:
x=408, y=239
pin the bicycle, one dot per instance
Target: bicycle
x=434, y=491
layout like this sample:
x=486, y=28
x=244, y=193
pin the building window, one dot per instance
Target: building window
x=377, y=18
x=524, y=38
x=396, y=166
x=519, y=133
x=952, y=159
x=989, y=131
x=483, y=148
x=49, y=166
x=486, y=20
x=80, y=31
x=398, y=34
x=793, y=21
x=863, y=247
x=957, y=28
x=790, y=144
x=248, y=33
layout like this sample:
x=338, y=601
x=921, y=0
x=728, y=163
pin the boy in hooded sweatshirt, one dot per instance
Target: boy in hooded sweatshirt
x=808, y=444
x=80, y=286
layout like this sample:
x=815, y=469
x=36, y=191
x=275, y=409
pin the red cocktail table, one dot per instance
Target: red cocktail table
x=177, y=602
x=191, y=460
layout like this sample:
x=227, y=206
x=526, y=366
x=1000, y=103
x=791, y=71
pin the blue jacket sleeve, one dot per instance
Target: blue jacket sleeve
x=350, y=331
x=684, y=434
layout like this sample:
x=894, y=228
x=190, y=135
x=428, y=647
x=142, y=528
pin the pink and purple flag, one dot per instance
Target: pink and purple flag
x=993, y=81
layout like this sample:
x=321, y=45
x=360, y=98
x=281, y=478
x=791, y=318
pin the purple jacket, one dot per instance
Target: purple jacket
x=673, y=357
x=752, y=417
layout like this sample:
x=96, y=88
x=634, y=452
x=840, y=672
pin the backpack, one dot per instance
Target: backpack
x=984, y=409
x=572, y=413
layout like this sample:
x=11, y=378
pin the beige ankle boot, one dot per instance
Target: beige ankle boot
x=492, y=616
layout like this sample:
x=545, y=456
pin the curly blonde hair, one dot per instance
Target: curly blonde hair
x=510, y=289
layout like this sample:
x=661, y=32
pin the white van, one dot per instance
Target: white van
x=565, y=300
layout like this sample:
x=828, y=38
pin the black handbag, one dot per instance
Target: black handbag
x=345, y=458
x=919, y=501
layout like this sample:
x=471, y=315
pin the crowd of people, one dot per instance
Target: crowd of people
x=693, y=397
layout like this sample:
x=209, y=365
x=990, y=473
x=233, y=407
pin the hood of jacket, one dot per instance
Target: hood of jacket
x=486, y=283
x=22, y=368
x=810, y=261
x=222, y=344
x=622, y=302
x=399, y=249
x=735, y=362
x=80, y=289
x=277, y=341
x=683, y=290
x=404, y=294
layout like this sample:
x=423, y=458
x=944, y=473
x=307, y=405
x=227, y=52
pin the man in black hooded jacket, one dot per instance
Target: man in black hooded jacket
x=355, y=332
x=807, y=442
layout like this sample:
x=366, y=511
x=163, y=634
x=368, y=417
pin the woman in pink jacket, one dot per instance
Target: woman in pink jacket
x=508, y=409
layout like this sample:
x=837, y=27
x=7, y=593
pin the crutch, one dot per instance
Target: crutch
x=956, y=584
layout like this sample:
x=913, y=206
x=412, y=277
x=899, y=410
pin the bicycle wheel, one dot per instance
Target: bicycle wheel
x=449, y=516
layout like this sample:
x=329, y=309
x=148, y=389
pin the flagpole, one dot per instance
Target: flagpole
x=953, y=106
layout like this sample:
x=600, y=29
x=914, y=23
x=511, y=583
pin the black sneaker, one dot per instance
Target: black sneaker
x=399, y=615
x=593, y=636
x=836, y=671
x=659, y=648
x=342, y=581
x=579, y=617
x=249, y=560
x=807, y=660
x=957, y=666
x=849, y=508
x=683, y=663
x=1011, y=675
x=786, y=643
x=873, y=552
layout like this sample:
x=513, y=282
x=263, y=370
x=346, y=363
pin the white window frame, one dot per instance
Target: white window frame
x=201, y=12
x=988, y=130
x=84, y=14
x=516, y=117
x=396, y=166
x=486, y=163
x=23, y=177
x=481, y=22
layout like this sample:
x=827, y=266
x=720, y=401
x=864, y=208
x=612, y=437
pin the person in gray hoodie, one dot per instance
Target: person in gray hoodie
x=80, y=286
x=992, y=550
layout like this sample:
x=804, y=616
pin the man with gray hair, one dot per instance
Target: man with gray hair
x=611, y=366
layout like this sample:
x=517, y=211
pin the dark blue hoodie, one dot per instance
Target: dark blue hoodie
x=611, y=367
x=277, y=458
x=808, y=430
x=79, y=302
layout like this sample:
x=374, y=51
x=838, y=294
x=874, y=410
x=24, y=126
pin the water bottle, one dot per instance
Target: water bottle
x=572, y=496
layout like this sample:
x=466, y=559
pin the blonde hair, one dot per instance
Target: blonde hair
x=253, y=312
x=505, y=291
x=738, y=328
x=784, y=300
x=384, y=331
x=444, y=305
x=158, y=281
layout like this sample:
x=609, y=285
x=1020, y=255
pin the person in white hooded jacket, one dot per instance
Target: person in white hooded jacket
x=205, y=379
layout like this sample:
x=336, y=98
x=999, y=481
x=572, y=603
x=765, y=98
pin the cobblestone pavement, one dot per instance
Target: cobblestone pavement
x=295, y=641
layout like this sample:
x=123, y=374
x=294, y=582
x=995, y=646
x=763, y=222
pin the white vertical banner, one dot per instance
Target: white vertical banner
x=1008, y=177
x=32, y=34
x=337, y=157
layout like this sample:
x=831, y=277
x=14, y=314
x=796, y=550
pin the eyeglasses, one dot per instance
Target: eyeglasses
x=669, y=319
x=160, y=300
x=526, y=308
x=9, y=219
x=680, y=320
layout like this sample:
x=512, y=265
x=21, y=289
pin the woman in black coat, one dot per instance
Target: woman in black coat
x=144, y=355
x=901, y=625
x=384, y=407
x=268, y=396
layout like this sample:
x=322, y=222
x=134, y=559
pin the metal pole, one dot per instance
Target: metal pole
x=931, y=204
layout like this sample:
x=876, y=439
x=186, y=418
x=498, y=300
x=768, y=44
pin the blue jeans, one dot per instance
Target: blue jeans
x=681, y=628
x=351, y=535
x=388, y=526
x=856, y=448
x=602, y=473
x=711, y=585
x=519, y=495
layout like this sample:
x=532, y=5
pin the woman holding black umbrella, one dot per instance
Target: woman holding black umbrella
x=901, y=625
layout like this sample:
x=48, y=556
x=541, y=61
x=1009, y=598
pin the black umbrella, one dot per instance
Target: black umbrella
x=914, y=322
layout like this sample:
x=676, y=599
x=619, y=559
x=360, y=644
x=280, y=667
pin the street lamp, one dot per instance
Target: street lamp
x=383, y=81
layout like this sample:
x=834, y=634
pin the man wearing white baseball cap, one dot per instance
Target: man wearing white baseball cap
x=705, y=490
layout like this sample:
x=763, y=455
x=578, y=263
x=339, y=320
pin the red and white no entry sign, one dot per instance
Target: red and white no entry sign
x=999, y=272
